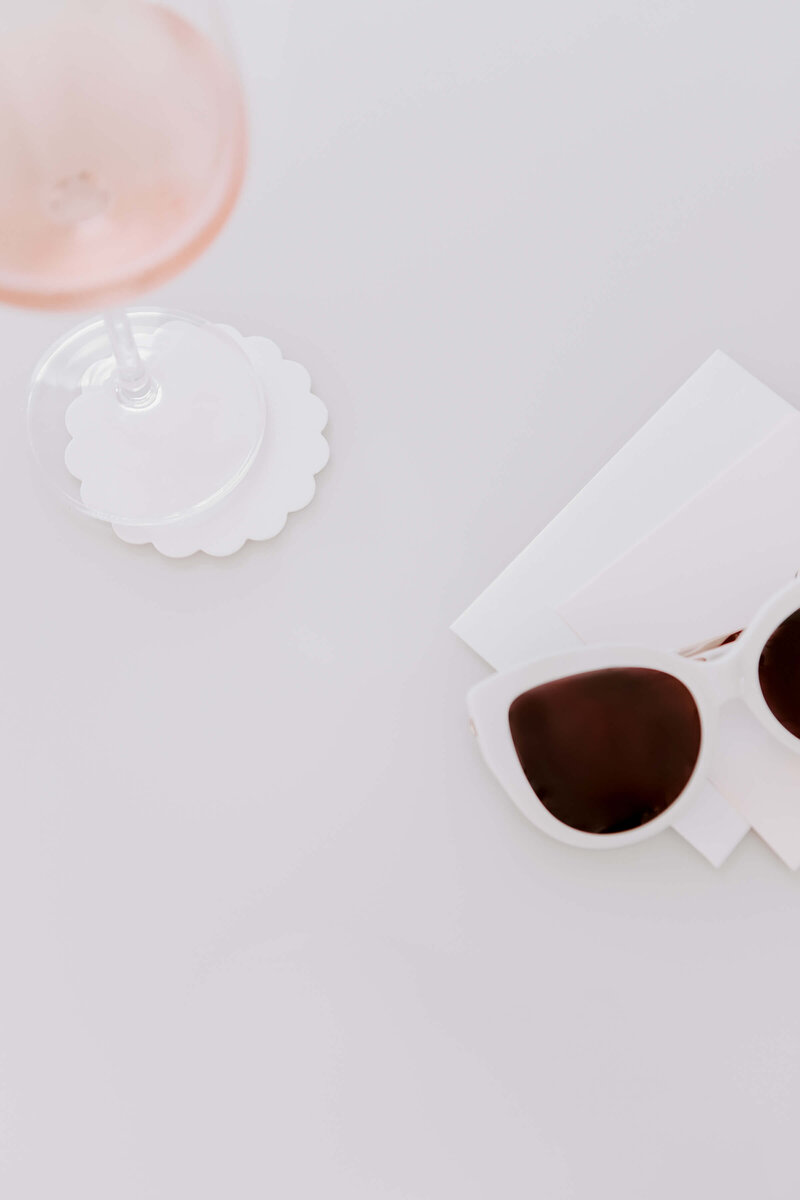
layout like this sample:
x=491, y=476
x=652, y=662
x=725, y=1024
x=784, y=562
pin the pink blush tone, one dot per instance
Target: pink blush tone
x=123, y=143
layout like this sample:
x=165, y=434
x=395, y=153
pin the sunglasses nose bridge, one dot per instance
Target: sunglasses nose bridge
x=723, y=676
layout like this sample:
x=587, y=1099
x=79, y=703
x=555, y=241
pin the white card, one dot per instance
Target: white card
x=705, y=571
x=714, y=420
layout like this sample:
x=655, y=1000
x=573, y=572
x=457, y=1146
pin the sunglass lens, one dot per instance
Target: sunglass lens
x=779, y=673
x=609, y=750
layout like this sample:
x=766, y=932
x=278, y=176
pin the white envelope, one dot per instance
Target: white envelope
x=719, y=417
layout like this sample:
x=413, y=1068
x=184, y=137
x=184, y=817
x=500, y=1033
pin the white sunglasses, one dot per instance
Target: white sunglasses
x=606, y=745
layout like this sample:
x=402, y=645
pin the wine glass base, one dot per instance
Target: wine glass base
x=168, y=459
x=281, y=480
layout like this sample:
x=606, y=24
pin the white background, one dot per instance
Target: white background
x=268, y=928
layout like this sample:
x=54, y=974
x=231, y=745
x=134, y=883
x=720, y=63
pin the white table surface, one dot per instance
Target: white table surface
x=268, y=928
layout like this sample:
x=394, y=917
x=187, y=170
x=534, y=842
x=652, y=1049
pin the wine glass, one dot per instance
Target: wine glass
x=122, y=151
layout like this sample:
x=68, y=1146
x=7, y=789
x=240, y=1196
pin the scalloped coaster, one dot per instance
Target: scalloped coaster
x=280, y=481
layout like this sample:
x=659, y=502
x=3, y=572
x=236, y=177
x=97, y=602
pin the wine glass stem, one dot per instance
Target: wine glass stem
x=135, y=386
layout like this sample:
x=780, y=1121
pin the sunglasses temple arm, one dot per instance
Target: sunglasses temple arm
x=716, y=643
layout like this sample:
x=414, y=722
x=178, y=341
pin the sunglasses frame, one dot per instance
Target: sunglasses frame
x=713, y=677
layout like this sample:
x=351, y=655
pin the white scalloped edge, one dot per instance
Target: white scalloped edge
x=280, y=481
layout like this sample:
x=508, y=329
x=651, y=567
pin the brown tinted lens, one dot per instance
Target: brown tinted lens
x=608, y=750
x=779, y=673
